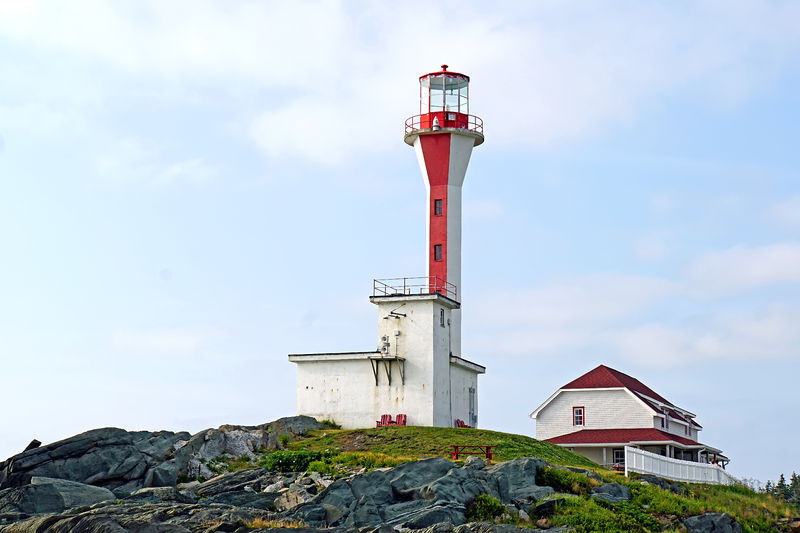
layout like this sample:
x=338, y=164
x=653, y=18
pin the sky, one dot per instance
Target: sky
x=191, y=190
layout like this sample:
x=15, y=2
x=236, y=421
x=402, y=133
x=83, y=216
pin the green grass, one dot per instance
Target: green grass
x=414, y=442
x=333, y=451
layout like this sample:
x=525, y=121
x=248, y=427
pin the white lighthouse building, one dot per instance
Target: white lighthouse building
x=417, y=370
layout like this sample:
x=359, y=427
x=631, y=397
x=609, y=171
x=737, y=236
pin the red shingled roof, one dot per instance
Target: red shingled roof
x=603, y=376
x=620, y=436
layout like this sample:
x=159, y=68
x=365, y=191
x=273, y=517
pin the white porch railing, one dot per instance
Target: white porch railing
x=643, y=462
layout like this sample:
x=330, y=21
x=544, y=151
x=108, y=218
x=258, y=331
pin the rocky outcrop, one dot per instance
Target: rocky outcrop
x=110, y=480
x=110, y=457
x=48, y=495
x=125, y=462
x=194, y=455
x=712, y=523
x=672, y=486
x=612, y=493
x=420, y=494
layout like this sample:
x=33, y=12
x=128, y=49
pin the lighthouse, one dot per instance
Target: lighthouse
x=443, y=135
x=417, y=374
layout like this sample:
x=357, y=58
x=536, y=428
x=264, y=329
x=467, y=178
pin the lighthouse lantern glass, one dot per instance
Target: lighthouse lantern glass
x=444, y=92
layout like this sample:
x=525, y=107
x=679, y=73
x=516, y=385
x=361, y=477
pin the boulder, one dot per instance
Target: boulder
x=474, y=462
x=546, y=508
x=712, y=523
x=161, y=494
x=611, y=493
x=108, y=457
x=141, y=517
x=292, y=498
x=672, y=486
x=48, y=495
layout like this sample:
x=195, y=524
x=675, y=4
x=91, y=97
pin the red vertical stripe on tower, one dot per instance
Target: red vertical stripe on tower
x=436, y=151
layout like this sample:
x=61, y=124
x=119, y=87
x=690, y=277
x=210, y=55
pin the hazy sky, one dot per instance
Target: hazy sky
x=191, y=190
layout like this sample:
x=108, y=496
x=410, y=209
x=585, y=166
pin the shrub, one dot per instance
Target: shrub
x=563, y=480
x=284, y=440
x=330, y=424
x=290, y=461
x=320, y=466
x=367, y=460
x=484, y=508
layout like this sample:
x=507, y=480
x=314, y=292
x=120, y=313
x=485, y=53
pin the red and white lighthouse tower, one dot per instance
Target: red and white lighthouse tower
x=417, y=372
x=443, y=135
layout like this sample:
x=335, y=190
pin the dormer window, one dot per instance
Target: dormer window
x=577, y=416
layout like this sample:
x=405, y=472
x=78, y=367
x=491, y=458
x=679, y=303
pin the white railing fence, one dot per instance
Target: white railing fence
x=643, y=462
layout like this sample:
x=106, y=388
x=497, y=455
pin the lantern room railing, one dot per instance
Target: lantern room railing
x=447, y=119
x=414, y=286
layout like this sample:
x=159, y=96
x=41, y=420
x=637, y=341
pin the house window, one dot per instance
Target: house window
x=437, y=208
x=577, y=416
x=662, y=422
x=437, y=252
x=441, y=317
x=687, y=430
x=619, y=456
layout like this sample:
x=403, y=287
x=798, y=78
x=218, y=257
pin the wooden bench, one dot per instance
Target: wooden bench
x=472, y=449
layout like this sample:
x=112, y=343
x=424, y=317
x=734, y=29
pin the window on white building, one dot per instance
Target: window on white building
x=441, y=317
x=577, y=416
x=619, y=456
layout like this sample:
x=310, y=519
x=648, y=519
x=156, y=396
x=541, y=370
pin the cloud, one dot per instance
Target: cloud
x=339, y=78
x=625, y=315
x=135, y=161
x=195, y=170
x=787, y=212
x=743, y=267
x=159, y=341
x=767, y=333
x=569, y=314
x=651, y=247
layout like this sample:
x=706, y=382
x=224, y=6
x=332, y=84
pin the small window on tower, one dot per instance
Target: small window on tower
x=441, y=317
x=437, y=252
x=437, y=208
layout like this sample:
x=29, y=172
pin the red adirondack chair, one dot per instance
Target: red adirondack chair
x=401, y=420
x=386, y=420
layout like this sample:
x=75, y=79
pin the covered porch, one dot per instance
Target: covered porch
x=607, y=446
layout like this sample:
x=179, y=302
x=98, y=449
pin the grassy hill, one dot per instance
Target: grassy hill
x=414, y=442
x=651, y=509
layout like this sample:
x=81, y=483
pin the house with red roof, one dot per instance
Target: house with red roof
x=604, y=410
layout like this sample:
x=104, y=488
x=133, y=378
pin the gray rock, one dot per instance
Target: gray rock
x=255, y=478
x=161, y=494
x=292, y=498
x=244, y=499
x=612, y=493
x=474, y=462
x=275, y=487
x=517, y=479
x=48, y=495
x=107, y=457
x=32, y=444
x=437, y=513
x=672, y=486
x=588, y=473
x=712, y=523
x=141, y=517
x=546, y=508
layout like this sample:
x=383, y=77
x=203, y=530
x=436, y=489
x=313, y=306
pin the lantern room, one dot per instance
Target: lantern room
x=444, y=104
